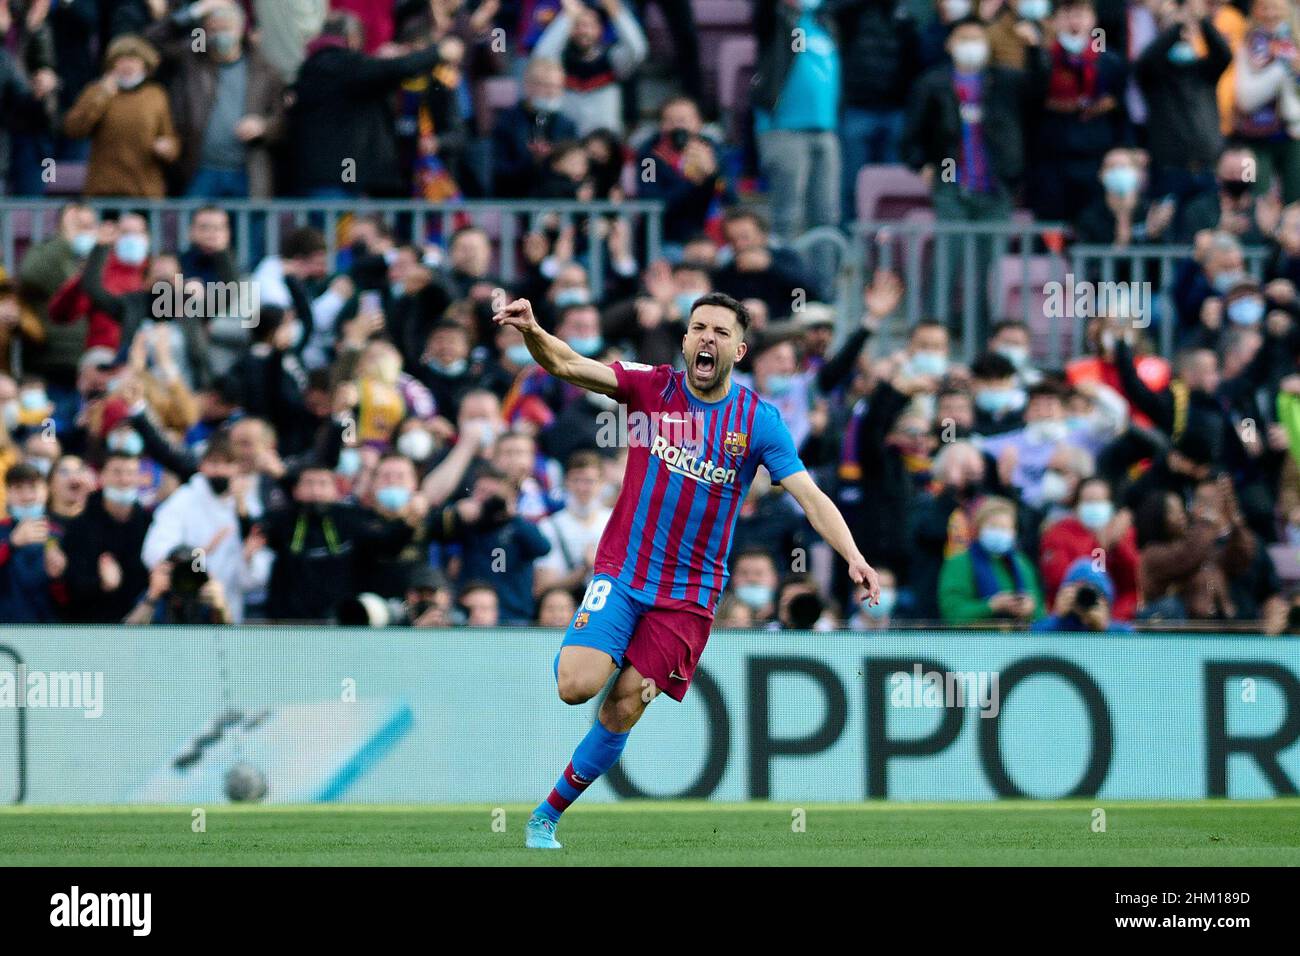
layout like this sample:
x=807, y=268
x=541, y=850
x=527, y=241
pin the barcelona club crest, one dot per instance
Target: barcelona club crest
x=581, y=620
x=735, y=443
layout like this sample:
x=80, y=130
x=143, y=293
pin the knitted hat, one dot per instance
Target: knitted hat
x=131, y=45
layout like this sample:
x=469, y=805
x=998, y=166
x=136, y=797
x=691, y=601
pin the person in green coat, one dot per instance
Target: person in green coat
x=991, y=579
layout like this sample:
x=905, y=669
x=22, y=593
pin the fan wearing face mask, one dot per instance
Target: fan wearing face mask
x=129, y=122
x=964, y=133
x=203, y=516
x=1081, y=118
x=1023, y=455
x=991, y=579
x=1093, y=526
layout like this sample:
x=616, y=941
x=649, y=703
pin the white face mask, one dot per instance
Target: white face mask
x=970, y=55
x=417, y=444
x=1054, y=487
x=1047, y=430
x=956, y=9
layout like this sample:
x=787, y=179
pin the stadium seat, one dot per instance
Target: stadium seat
x=69, y=179
x=736, y=59
x=1018, y=279
x=1286, y=559
x=889, y=192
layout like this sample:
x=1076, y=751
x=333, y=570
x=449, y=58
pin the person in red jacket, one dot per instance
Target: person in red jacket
x=124, y=272
x=1095, y=530
x=1098, y=364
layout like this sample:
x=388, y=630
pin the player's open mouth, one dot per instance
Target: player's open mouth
x=705, y=362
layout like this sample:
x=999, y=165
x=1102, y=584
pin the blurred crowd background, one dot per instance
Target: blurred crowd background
x=363, y=445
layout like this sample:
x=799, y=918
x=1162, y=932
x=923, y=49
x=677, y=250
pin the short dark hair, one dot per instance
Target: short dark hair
x=124, y=456
x=926, y=324
x=722, y=300
x=476, y=584
x=990, y=366
x=583, y=458
x=302, y=242
x=23, y=474
x=1004, y=324
x=219, y=447
x=737, y=213
x=1048, y=389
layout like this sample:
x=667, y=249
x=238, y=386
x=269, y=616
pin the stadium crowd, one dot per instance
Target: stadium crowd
x=369, y=446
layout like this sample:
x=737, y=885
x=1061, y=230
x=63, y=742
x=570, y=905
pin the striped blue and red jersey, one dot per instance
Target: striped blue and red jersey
x=689, y=465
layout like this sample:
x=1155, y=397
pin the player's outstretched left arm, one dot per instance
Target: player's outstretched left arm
x=554, y=354
x=829, y=523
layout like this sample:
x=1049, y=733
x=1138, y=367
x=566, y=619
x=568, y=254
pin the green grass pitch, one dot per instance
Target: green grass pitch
x=1210, y=833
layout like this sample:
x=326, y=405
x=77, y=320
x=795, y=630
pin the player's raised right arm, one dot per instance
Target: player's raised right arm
x=554, y=354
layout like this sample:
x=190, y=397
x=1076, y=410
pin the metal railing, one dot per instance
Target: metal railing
x=988, y=262
x=257, y=226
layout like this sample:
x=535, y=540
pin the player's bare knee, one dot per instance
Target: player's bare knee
x=620, y=713
x=575, y=688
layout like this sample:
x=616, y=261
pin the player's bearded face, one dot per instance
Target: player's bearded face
x=710, y=353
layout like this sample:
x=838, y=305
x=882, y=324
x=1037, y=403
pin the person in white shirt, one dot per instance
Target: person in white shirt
x=575, y=530
x=203, y=516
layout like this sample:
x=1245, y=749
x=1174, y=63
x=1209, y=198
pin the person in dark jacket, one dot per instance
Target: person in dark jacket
x=525, y=134
x=1178, y=81
x=341, y=123
x=686, y=172
x=156, y=302
x=227, y=101
x=317, y=541
x=497, y=544
x=31, y=560
x=105, y=575
x=1081, y=116
x=882, y=57
x=269, y=377
x=965, y=134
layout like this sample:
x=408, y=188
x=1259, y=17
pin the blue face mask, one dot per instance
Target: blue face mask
x=132, y=249
x=997, y=541
x=888, y=600
x=129, y=443
x=1224, y=282
x=1034, y=9
x=34, y=401
x=393, y=497
x=1072, y=44
x=1182, y=52
x=26, y=512
x=778, y=385
x=928, y=363
x=349, y=462
x=82, y=243
x=396, y=291
x=995, y=400
x=519, y=354
x=575, y=296
x=121, y=496
x=1095, y=515
x=1120, y=180
x=588, y=345
x=1246, y=311
x=1017, y=355
x=451, y=369
x=43, y=465
x=224, y=42
x=754, y=595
